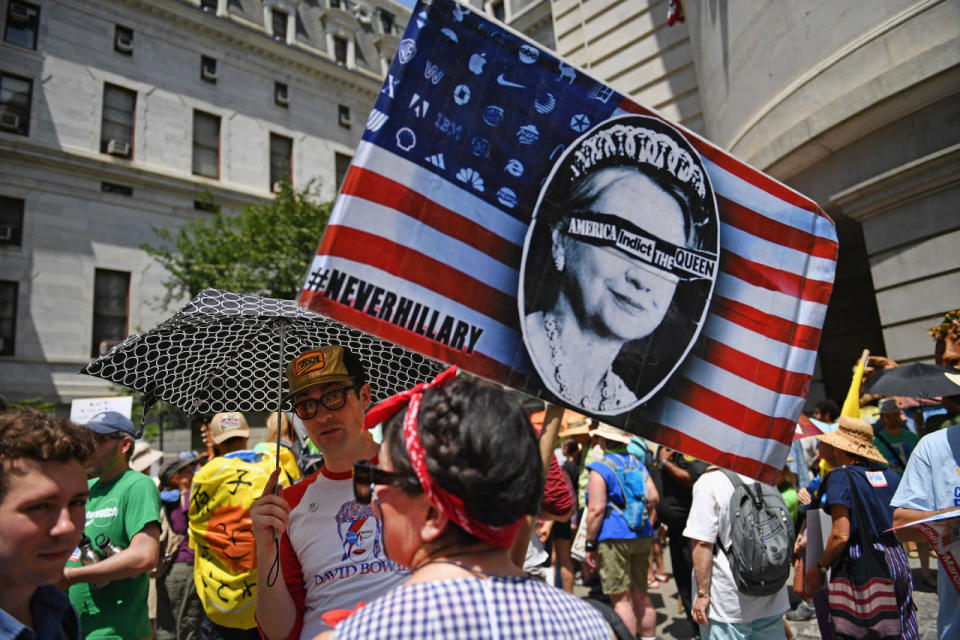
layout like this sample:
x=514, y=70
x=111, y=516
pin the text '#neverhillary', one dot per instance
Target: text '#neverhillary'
x=401, y=311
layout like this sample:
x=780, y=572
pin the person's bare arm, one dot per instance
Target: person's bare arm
x=596, y=506
x=903, y=516
x=141, y=556
x=679, y=474
x=653, y=496
x=703, y=570
x=276, y=613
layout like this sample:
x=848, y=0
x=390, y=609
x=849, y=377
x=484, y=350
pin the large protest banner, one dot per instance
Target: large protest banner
x=509, y=214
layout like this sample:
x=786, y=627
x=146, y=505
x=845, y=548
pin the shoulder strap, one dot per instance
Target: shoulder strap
x=734, y=478
x=610, y=464
x=890, y=448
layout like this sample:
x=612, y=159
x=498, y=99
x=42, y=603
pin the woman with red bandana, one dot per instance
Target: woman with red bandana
x=459, y=468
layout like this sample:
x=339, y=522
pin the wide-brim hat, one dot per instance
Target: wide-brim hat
x=144, y=456
x=855, y=436
x=607, y=432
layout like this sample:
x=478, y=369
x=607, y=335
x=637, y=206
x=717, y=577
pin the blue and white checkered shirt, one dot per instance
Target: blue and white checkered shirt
x=499, y=608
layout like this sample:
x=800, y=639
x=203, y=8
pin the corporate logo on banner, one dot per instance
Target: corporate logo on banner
x=507, y=213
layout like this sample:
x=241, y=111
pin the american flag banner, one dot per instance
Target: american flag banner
x=509, y=214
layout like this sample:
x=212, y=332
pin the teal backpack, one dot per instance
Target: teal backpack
x=632, y=479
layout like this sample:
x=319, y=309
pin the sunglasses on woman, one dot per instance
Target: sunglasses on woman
x=331, y=401
x=366, y=475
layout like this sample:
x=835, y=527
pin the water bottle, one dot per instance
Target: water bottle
x=88, y=556
x=107, y=548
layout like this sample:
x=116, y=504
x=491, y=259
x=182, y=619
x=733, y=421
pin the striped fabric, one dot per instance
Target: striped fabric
x=472, y=609
x=425, y=242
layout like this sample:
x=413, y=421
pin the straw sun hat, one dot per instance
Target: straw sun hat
x=854, y=436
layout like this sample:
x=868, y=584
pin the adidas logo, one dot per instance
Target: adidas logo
x=376, y=120
x=437, y=160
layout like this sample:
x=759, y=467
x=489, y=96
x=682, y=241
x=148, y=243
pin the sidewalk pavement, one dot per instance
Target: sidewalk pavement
x=672, y=622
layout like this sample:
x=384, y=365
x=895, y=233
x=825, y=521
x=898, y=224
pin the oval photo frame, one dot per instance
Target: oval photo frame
x=619, y=264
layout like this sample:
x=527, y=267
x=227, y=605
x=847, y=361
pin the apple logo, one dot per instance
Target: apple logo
x=477, y=61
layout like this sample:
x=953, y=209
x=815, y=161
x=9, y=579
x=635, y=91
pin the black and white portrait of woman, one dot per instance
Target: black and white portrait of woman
x=619, y=264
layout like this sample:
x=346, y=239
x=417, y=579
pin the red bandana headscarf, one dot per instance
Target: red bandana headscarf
x=451, y=505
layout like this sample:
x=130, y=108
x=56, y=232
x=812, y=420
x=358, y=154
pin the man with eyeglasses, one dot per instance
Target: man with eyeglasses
x=123, y=509
x=331, y=547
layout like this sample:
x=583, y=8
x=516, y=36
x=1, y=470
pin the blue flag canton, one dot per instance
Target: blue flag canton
x=482, y=108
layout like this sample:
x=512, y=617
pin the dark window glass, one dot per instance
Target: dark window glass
x=11, y=221
x=23, y=19
x=209, y=5
x=281, y=153
x=343, y=164
x=279, y=24
x=116, y=127
x=111, y=293
x=387, y=23
x=113, y=187
x=208, y=69
x=496, y=8
x=8, y=316
x=206, y=144
x=336, y=4
x=123, y=40
x=15, y=96
x=281, y=95
x=340, y=49
x=343, y=116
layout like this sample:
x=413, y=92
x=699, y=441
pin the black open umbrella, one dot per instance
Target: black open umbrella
x=915, y=380
x=227, y=351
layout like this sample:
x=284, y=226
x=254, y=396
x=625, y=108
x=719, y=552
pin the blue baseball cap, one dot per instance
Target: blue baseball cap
x=111, y=422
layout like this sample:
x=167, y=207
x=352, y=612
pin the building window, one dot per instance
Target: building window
x=23, y=19
x=15, y=95
x=336, y=4
x=281, y=96
x=279, y=21
x=11, y=221
x=208, y=69
x=281, y=165
x=210, y=6
x=116, y=127
x=387, y=22
x=343, y=116
x=340, y=49
x=123, y=40
x=206, y=144
x=343, y=165
x=495, y=8
x=111, y=295
x=8, y=316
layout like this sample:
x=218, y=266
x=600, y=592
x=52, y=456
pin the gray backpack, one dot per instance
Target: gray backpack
x=761, y=537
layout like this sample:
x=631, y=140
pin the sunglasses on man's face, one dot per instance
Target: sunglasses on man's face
x=331, y=401
x=104, y=437
x=365, y=476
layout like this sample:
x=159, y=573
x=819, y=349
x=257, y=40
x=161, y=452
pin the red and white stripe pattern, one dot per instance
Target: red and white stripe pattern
x=737, y=402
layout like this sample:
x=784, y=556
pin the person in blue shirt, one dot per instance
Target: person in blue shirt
x=930, y=485
x=43, y=495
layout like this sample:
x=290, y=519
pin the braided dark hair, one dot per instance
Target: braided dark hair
x=479, y=446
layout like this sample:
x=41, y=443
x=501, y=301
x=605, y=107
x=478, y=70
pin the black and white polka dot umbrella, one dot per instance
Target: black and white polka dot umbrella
x=221, y=352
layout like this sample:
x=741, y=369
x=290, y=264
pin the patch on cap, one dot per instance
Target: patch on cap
x=308, y=362
x=230, y=421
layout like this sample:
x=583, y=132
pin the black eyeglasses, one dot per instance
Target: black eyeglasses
x=366, y=475
x=331, y=401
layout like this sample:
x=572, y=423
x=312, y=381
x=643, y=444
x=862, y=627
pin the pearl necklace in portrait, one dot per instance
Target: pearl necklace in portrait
x=612, y=387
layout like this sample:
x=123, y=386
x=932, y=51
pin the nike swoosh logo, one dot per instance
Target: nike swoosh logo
x=506, y=83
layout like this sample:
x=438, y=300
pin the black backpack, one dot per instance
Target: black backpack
x=761, y=537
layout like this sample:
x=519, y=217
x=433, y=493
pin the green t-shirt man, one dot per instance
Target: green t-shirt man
x=118, y=510
x=904, y=442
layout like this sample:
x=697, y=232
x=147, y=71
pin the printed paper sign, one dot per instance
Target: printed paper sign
x=509, y=214
x=82, y=409
x=942, y=531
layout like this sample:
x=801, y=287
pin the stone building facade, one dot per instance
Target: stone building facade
x=119, y=116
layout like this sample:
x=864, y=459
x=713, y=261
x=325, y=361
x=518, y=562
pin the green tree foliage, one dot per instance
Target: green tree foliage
x=265, y=249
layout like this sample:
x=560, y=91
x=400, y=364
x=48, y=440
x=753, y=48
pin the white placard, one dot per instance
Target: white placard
x=82, y=409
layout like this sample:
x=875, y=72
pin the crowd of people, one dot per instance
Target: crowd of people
x=443, y=529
